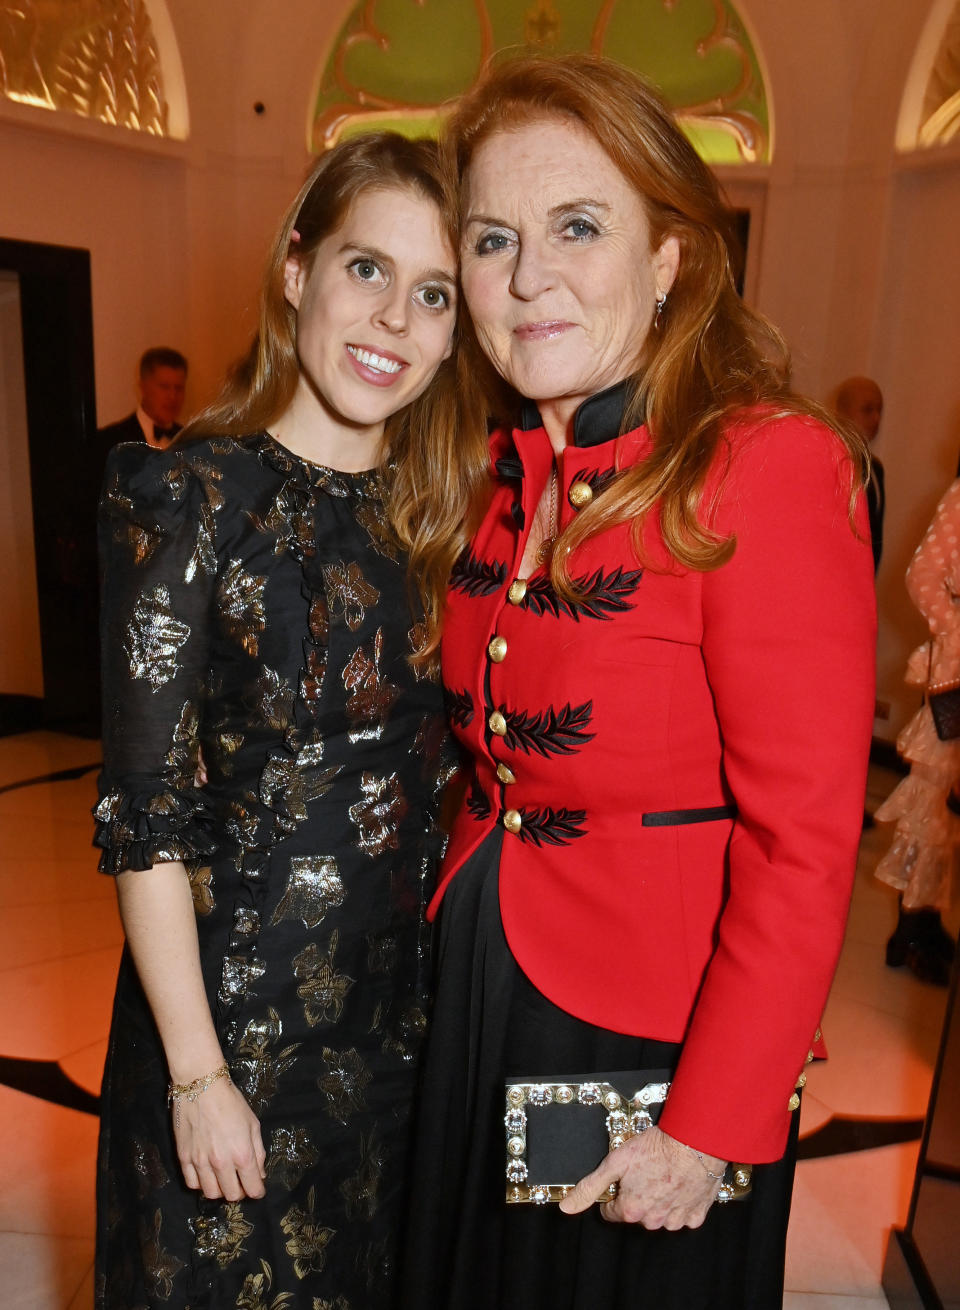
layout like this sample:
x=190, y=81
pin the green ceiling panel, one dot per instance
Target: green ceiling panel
x=400, y=61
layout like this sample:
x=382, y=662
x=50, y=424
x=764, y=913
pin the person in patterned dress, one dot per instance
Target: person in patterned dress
x=259, y=637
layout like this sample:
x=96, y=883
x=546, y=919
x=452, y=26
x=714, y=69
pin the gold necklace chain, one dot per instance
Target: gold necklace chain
x=545, y=549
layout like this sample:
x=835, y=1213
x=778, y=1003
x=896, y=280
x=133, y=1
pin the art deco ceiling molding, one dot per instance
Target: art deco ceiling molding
x=940, y=116
x=930, y=105
x=99, y=59
x=400, y=63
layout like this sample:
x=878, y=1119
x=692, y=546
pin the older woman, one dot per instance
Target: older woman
x=658, y=652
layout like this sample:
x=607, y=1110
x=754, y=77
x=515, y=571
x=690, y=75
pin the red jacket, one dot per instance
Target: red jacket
x=746, y=690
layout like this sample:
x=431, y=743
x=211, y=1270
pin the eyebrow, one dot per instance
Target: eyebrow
x=429, y=274
x=580, y=202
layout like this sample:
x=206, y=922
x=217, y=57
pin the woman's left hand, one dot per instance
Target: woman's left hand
x=662, y=1184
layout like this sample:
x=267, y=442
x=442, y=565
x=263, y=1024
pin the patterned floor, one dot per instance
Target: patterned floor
x=59, y=945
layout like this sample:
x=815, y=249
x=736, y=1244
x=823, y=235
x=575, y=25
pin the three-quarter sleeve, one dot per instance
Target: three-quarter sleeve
x=788, y=647
x=158, y=578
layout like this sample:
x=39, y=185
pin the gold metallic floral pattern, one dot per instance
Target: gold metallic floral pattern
x=371, y=696
x=288, y=521
x=160, y=1265
x=343, y=1082
x=308, y=1238
x=360, y=1192
x=379, y=813
x=309, y=853
x=240, y=605
x=154, y=637
x=255, y=1293
x=183, y=756
x=314, y=888
x=292, y=1153
x=151, y=1175
x=257, y=1068
x=271, y=697
x=220, y=1236
x=348, y=592
x=238, y=973
x=322, y=988
x=139, y=539
x=201, y=888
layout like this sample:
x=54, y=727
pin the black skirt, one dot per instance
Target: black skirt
x=465, y=1248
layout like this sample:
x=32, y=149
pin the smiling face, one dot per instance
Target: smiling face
x=376, y=308
x=556, y=264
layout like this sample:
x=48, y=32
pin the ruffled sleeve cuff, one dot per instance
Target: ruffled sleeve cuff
x=139, y=826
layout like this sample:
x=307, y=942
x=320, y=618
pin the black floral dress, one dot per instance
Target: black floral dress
x=255, y=609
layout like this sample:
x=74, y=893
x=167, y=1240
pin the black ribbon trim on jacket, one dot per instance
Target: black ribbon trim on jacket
x=676, y=818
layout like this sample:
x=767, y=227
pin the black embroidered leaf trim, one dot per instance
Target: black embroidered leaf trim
x=477, y=577
x=551, y=732
x=594, y=478
x=548, y=827
x=477, y=803
x=601, y=595
x=459, y=707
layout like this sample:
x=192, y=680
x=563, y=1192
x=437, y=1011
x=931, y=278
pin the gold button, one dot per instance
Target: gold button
x=497, y=724
x=518, y=589
x=580, y=494
x=506, y=776
x=808, y=1057
x=818, y=1036
x=794, y=1102
x=512, y=820
x=742, y=1175
x=497, y=650
x=801, y=1081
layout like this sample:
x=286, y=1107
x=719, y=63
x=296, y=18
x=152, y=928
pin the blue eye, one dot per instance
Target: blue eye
x=581, y=229
x=492, y=242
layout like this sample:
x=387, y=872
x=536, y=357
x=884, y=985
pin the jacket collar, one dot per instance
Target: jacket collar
x=596, y=421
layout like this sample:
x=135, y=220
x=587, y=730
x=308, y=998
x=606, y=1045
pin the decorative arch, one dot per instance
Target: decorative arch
x=114, y=61
x=399, y=63
x=930, y=108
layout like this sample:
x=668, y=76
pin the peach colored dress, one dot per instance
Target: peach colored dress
x=923, y=854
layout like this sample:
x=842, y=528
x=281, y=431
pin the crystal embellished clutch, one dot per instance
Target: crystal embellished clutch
x=559, y=1130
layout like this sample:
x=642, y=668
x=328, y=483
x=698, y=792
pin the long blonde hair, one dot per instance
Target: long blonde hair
x=433, y=472
x=711, y=354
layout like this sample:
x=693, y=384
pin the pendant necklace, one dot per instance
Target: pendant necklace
x=545, y=549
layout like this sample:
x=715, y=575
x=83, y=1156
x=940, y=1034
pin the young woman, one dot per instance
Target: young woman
x=258, y=633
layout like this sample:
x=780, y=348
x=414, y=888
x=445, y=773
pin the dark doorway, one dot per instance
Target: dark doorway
x=57, y=326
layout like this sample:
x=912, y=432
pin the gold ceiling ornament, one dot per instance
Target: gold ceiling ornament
x=370, y=98
x=749, y=133
x=95, y=58
x=940, y=116
x=541, y=24
x=358, y=102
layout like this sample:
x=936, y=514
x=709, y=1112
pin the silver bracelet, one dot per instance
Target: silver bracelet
x=708, y=1172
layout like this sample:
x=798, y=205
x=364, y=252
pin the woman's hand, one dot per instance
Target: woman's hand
x=219, y=1144
x=662, y=1184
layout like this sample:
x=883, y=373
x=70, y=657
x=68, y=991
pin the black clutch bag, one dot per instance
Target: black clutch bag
x=945, y=708
x=559, y=1130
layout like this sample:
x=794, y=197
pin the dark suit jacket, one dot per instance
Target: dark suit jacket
x=876, y=503
x=610, y=733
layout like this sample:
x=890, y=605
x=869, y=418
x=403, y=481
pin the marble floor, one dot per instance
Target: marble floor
x=59, y=945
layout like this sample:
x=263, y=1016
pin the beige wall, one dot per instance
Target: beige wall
x=854, y=251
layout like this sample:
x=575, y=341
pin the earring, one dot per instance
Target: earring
x=661, y=301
